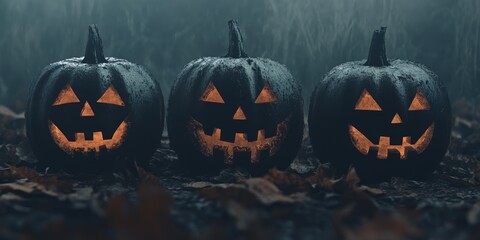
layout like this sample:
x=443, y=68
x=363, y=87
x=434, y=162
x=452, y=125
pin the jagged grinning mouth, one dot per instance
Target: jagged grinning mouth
x=82, y=145
x=240, y=144
x=363, y=144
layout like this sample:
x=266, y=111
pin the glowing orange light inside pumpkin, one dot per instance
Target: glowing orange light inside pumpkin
x=111, y=96
x=266, y=95
x=419, y=102
x=87, y=111
x=82, y=145
x=67, y=95
x=364, y=145
x=211, y=94
x=397, y=119
x=239, y=115
x=240, y=144
x=367, y=103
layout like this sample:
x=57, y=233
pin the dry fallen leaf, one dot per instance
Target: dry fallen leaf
x=342, y=185
x=11, y=126
x=371, y=191
x=248, y=192
x=321, y=180
x=148, y=218
x=30, y=188
x=147, y=176
x=288, y=182
x=11, y=197
x=266, y=192
x=50, y=182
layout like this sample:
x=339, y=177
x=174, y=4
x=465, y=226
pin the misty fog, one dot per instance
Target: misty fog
x=308, y=36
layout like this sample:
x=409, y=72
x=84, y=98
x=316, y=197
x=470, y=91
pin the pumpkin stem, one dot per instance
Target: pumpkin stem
x=235, y=49
x=94, y=51
x=378, y=53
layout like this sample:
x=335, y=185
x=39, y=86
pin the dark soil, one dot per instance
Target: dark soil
x=304, y=202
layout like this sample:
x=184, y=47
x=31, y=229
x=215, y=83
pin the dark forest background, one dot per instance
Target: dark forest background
x=308, y=36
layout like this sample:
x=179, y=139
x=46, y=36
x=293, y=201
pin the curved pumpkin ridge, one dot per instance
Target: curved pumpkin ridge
x=94, y=51
x=235, y=50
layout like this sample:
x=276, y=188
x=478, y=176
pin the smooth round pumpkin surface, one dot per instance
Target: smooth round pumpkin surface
x=235, y=111
x=385, y=118
x=94, y=113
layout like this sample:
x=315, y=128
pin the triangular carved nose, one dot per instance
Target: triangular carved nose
x=397, y=119
x=239, y=115
x=87, y=111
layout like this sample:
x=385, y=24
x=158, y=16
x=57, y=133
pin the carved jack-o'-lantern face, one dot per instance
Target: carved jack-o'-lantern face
x=235, y=111
x=401, y=141
x=94, y=114
x=78, y=124
x=237, y=126
x=386, y=118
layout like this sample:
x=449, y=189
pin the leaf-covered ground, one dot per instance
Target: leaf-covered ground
x=304, y=202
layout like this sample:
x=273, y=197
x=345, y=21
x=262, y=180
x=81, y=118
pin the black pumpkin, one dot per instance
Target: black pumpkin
x=384, y=118
x=235, y=110
x=94, y=113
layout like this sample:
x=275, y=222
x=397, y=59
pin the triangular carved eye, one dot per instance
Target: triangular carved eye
x=367, y=103
x=212, y=95
x=111, y=96
x=266, y=95
x=419, y=103
x=67, y=95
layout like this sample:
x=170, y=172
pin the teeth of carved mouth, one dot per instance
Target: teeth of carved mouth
x=238, y=137
x=97, y=136
x=240, y=142
x=364, y=145
x=81, y=144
